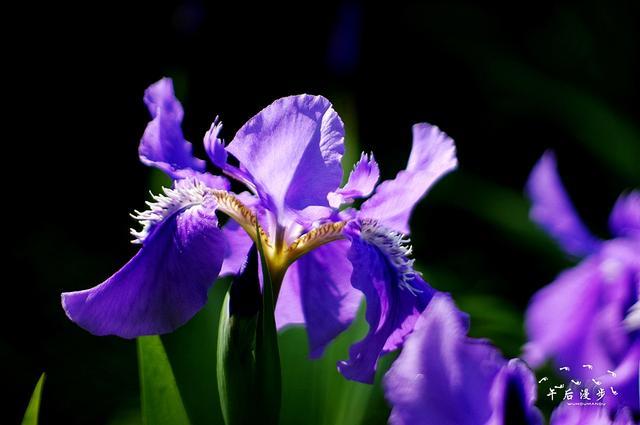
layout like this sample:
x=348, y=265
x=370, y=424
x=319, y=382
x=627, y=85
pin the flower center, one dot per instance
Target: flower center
x=190, y=192
x=278, y=254
x=396, y=247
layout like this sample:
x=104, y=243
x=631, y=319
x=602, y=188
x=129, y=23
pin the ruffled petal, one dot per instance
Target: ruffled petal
x=553, y=211
x=214, y=146
x=433, y=154
x=625, y=217
x=163, y=145
x=162, y=286
x=317, y=292
x=441, y=376
x=362, y=181
x=395, y=296
x=292, y=151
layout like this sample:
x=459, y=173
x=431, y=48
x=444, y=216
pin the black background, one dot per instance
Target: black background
x=74, y=115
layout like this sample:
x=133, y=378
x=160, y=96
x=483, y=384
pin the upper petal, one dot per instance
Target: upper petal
x=162, y=286
x=362, y=181
x=625, y=217
x=552, y=209
x=163, y=144
x=395, y=296
x=433, y=154
x=317, y=292
x=292, y=151
x=441, y=376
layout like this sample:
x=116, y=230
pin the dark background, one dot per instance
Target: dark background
x=505, y=82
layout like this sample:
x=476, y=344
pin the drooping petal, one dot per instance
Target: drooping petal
x=441, y=376
x=362, y=181
x=553, y=211
x=395, y=296
x=292, y=151
x=162, y=286
x=317, y=292
x=163, y=144
x=444, y=377
x=433, y=154
x=625, y=217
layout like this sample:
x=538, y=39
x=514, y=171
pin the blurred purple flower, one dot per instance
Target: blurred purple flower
x=567, y=414
x=321, y=258
x=444, y=377
x=589, y=315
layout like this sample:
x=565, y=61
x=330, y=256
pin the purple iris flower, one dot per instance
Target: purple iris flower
x=567, y=414
x=590, y=314
x=444, y=377
x=323, y=255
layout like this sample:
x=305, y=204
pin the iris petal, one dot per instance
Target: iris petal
x=625, y=217
x=441, y=376
x=444, y=377
x=162, y=286
x=567, y=414
x=317, y=292
x=553, y=211
x=163, y=144
x=578, y=318
x=237, y=245
x=292, y=151
x=433, y=154
x=362, y=181
x=392, y=308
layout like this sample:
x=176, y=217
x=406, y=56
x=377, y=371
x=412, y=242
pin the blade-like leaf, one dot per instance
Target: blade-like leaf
x=31, y=414
x=236, y=357
x=160, y=398
x=236, y=366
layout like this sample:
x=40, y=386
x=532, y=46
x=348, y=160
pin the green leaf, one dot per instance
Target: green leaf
x=161, y=401
x=191, y=349
x=315, y=393
x=236, y=365
x=31, y=414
